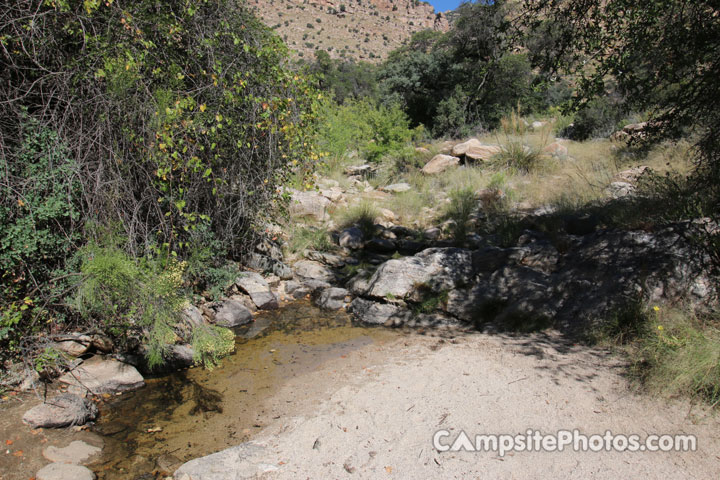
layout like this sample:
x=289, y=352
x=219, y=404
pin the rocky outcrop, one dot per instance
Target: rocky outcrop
x=533, y=284
x=309, y=204
x=61, y=411
x=474, y=149
x=98, y=375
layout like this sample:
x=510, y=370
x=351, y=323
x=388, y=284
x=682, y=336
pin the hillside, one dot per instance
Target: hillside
x=363, y=30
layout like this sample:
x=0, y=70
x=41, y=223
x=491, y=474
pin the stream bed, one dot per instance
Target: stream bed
x=195, y=412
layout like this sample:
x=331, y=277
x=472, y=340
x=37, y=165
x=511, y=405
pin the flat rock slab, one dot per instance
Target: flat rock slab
x=61, y=411
x=64, y=471
x=99, y=375
x=77, y=453
x=397, y=188
x=235, y=463
x=255, y=285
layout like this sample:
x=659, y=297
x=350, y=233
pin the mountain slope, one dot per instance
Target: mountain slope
x=358, y=29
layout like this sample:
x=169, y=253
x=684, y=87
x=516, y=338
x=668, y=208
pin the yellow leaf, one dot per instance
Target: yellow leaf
x=203, y=107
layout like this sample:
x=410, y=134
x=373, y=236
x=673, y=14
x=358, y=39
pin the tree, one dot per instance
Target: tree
x=663, y=54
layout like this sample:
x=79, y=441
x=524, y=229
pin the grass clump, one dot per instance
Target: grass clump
x=362, y=216
x=515, y=155
x=310, y=238
x=463, y=204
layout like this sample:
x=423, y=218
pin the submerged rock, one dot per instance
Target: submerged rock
x=61, y=411
x=64, y=471
x=77, y=453
x=239, y=462
x=332, y=298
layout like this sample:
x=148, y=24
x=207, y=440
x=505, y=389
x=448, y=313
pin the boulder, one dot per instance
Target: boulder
x=332, y=298
x=632, y=175
x=537, y=125
x=99, y=375
x=620, y=189
x=434, y=268
x=309, y=269
x=380, y=245
x=61, y=411
x=74, y=347
x=397, y=188
x=326, y=258
x=296, y=289
x=351, y=238
x=265, y=263
x=77, y=453
x=192, y=316
x=440, y=163
x=232, y=313
x=474, y=149
x=309, y=204
x=255, y=285
x=64, y=471
x=377, y=313
x=364, y=170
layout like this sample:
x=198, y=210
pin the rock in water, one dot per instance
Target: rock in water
x=98, y=375
x=61, y=411
x=255, y=285
x=332, y=298
x=77, y=453
x=232, y=314
x=64, y=471
x=239, y=462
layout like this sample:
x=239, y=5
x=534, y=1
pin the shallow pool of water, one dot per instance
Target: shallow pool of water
x=196, y=412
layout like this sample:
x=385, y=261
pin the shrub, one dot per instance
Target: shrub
x=518, y=156
x=309, y=238
x=363, y=216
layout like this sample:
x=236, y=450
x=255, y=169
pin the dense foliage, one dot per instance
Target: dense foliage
x=156, y=119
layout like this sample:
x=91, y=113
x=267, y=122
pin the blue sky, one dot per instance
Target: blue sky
x=444, y=5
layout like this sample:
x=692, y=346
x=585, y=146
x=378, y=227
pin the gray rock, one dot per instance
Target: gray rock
x=296, y=289
x=360, y=170
x=326, y=258
x=351, y=238
x=236, y=463
x=397, y=187
x=232, y=313
x=474, y=149
x=360, y=283
x=309, y=269
x=620, y=189
x=434, y=268
x=266, y=264
x=61, y=411
x=74, y=346
x=193, y=316
x=332, y=298
x=77, y=453
x=99, y=375
x=64, y=471
x=380, y=245
x=377, y=313
x=255, y=285
x=309, y=204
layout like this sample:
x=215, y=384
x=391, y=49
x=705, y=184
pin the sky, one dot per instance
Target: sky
x=444, y=5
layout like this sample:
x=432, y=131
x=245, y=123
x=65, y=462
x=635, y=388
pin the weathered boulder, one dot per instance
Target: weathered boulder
x=440, y=163
x=192, y=316
x=309, y=269
x=620, y=189
x=61, y=411
x=309, y=204
x=474, y=149
x=351, y=238
x=99, y=375
x=77, y=453
x=236, y=463
x=363, y=170
x=377, y=313
x=64, y=471
x=325, y=258
x=232, y=313
x=435, y=269
x=74, y=346
x=332, y=298
x=296, y=289
x=255, y=285
x=265, y=263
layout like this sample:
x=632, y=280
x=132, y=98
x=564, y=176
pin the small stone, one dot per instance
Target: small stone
x=64, y=471
x=77, y=453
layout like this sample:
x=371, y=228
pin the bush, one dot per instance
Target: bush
x=373, y=130
x=362, y=216
x=518, y=156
